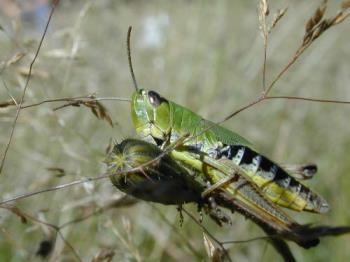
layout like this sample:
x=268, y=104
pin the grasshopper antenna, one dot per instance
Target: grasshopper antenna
x=129, y=58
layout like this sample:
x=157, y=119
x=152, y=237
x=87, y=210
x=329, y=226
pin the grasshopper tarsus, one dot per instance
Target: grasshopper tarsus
x=179, y=209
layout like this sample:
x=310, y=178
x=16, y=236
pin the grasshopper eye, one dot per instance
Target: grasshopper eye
x=154, y=98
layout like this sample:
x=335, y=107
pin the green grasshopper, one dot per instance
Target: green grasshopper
x=161, y=121
x=165, y=181
x=239, y=178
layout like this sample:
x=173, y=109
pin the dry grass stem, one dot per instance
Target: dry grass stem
x=262, y=14
x=26, y=86
x=276, y=18
x=315, y=27
x=13, y=102
x=210, y=235
x=89, y=101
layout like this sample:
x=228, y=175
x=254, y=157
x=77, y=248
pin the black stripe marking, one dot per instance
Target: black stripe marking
x=282, y=178
x=229, y=151
x=248, y=156
x=272, y=171
x=266, y=165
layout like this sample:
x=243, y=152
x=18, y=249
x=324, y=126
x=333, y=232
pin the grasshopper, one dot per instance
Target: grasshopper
x=239, y=177
x=161, y=121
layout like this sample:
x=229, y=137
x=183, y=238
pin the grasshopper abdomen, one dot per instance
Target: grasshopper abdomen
x=275, y=182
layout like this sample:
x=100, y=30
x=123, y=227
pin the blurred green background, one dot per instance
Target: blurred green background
x=206, y=55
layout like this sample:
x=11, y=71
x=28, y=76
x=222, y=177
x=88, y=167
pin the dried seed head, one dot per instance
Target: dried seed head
x=316, y=18
x=263, y=12
x=277, y=17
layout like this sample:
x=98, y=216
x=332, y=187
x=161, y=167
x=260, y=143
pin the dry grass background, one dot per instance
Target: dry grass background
x=204, y=55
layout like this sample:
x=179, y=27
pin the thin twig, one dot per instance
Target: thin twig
x=264, y=64
x=89, y=98
x=85, y=217
x=122, y=99
x=55, y=3
x=264, y=95
x=248, y=240
x=319, y=100
x=75, y=42
x=313, y=31
x=65, y=99
x=69, y=246
x=76, y=182
x=184, y=238
x=98, y=211
x=263, y=98
x=299, y=52
x=218, y=242
x=9, y=93
x=241, y=109
x=262, y=15
x=103, y=176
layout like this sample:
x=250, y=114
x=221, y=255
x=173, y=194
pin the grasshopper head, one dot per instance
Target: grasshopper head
x=150, y=114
